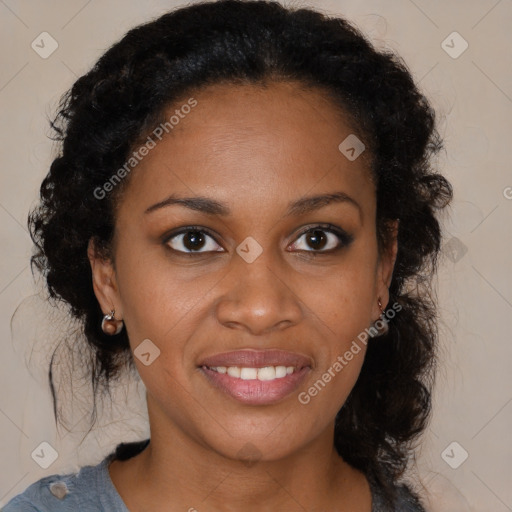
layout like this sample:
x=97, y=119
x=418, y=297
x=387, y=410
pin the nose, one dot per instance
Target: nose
x=259, y=297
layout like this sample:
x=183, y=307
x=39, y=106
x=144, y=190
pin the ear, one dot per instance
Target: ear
x=385, y=267
x=104, y=281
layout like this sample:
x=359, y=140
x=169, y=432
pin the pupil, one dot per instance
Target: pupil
x=316, y=238
x=193, y=240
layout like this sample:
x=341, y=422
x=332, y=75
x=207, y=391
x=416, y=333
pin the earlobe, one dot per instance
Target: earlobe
x=103, y=281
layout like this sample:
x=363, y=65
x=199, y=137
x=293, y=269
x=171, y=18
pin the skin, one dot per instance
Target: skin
x=256, y=150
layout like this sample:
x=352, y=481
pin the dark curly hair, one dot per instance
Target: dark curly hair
x=111, y=108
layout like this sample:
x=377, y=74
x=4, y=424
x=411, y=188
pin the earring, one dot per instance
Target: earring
x=383, y=328
x=111, y=326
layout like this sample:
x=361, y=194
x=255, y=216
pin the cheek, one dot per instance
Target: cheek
x=332, y=381
x=155, y=295
x=343, y=299
x=342, y=307
x=161, y=303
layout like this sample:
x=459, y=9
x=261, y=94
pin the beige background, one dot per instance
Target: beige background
x=473, y=97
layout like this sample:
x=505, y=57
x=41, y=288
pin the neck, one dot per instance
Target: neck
x=176, y=470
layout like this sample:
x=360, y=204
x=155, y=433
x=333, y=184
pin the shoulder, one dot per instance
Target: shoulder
x=400, y=498
x=89, y=489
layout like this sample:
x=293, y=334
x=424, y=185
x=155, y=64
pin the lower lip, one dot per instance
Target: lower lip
x=254, y=391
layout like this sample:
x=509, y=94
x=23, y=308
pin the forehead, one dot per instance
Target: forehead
x=242, y=142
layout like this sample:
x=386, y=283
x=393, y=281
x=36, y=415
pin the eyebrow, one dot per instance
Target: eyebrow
x=295, y=208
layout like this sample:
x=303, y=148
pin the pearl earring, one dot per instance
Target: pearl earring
x=109, y=324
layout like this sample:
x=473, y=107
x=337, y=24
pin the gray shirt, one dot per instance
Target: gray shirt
x=92, y=490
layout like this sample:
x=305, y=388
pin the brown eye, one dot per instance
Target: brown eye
x=320, y=239
x=191, y=241
x=316, y=239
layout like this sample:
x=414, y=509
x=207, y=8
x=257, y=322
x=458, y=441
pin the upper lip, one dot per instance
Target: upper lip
x=253, y=358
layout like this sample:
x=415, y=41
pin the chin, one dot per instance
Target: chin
x=264, y=445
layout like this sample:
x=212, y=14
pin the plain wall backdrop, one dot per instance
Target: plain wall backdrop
x=460, y=53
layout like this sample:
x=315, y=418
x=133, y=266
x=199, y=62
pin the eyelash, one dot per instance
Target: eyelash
x=344, y=239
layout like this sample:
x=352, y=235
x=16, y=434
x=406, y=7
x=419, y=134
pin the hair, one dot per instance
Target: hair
x=109, y=109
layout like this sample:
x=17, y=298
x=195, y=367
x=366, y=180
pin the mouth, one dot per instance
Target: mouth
x=266, y=373
x=256, y=377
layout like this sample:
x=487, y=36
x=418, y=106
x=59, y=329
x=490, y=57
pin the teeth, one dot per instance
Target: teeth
x=266, y=373
x=248, y=373
x=234, y=371
x=280, y=372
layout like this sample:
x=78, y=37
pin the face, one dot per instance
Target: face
x=256, y=275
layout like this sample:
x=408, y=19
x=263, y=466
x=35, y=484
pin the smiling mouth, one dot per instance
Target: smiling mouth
x=267, y=373
x=256, y=377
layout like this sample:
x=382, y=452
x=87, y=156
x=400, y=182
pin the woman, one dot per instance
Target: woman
x=244, y=210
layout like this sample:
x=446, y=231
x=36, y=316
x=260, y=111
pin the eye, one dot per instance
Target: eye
x=322, y=239
x=194, y=240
